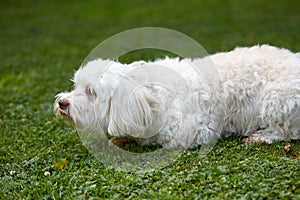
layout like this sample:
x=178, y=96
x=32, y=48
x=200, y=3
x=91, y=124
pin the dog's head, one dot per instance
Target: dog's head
x=87, y=106
x=97, y=101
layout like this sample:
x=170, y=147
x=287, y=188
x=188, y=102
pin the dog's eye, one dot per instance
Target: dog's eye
x=90, y=92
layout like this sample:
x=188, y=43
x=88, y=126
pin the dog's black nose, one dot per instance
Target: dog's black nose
x=64, y=104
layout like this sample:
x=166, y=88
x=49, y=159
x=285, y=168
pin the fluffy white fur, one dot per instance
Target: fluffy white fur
x=258, y=96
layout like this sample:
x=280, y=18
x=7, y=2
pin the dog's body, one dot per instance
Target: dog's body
x=258, y=96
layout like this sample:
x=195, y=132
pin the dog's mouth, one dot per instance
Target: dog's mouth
x=66, y=115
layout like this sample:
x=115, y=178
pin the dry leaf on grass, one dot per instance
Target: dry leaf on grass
x=61, y=163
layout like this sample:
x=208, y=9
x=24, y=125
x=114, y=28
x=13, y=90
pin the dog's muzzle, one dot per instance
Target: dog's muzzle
x=63, y=109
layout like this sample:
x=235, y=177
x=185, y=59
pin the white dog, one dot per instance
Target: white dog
x=257, y=95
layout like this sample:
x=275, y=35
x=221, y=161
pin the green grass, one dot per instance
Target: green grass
x=43, y=42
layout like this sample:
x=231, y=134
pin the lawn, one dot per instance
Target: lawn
x=43, y=42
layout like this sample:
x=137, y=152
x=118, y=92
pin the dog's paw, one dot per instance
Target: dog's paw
x=257, y=138
x=120, y=142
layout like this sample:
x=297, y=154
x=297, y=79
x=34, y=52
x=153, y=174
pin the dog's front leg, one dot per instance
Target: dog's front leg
x=120, y=141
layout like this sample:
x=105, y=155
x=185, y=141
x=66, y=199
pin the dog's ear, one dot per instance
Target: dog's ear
x=136, y=114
